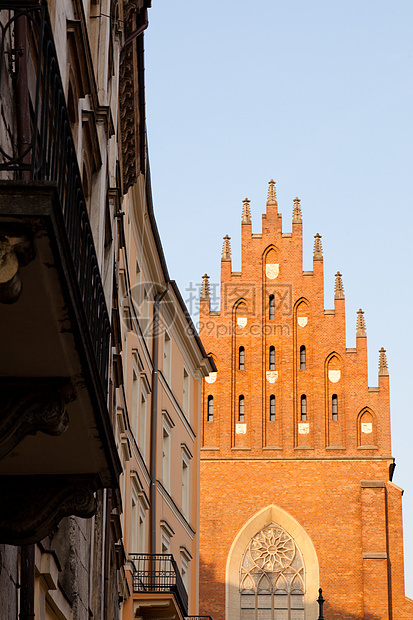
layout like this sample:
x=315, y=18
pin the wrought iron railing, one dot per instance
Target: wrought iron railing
x=198, y=617
x=44, y=150
x=159, y=573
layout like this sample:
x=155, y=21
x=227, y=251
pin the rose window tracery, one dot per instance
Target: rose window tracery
x=272, y=564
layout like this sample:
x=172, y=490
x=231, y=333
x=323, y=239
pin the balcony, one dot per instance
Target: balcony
x=158, y=589
x=56, y=441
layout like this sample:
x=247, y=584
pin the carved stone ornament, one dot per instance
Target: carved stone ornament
x=303, y=428
x=366, y=427
x=272, y=563
x=334, y=375
x=272, y=376
x=240, y=429
x=211, y=378
x=241, y=321
x=28, y=406
x=272, y=270
x=32, y=506
x=302, y=321
x=15, y=251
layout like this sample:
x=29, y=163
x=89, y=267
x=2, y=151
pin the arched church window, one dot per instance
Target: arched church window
x=272, y=308
x=302, y=357
x=241, y=358
x=272, y=579
x=241, y=409
x=272, y=408
x=272, y=358
x=210, y=414
x=334, y=407
x=303, y=407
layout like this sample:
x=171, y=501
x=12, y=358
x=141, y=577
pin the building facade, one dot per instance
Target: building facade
x=100, y=367
x=296, y=463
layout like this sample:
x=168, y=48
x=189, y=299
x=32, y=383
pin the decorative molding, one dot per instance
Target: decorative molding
x=16, y=251
x=32, y=506
x=29, y=406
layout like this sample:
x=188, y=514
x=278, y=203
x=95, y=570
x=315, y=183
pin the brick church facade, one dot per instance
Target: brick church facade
x=296, y=464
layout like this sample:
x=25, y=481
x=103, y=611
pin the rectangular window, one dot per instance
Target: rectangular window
x=167, y=345
x=134, y=414
x=185, y=395
x=166, y=458
x=167, y=425
x=186, y=457
x=142, y=424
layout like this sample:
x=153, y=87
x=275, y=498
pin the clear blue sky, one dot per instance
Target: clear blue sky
x=319, y=96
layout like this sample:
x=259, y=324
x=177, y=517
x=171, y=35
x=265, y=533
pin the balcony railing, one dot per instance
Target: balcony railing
x=198, y=617
x=43, y=149
x=159, y=573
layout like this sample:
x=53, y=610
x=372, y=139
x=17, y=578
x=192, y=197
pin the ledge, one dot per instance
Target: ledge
x=372, y=484
x=375, y=556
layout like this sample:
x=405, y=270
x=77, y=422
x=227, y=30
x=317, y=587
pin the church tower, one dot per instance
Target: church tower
x=296, y=463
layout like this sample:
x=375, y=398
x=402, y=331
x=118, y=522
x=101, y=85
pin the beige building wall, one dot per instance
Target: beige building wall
x=182, y=363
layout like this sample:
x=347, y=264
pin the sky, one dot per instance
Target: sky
x=317, y=95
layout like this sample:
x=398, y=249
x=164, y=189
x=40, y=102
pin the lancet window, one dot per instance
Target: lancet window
x=241, y=358
x=272, y=577
x=302, y=357
x=210, y=413
x=334, y=407
x=303, y=407
x=272, y=358
x=241, y=409
x=272, y=308
x=272, y=408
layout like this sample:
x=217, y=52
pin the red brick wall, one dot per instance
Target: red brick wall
x=315, y=476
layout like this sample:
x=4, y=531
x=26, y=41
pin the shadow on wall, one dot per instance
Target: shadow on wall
x=212, y=599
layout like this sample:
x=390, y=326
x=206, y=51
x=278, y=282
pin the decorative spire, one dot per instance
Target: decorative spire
x=338, y=288
x=318, y=250
x=246, y=212
x=226, y=249
x=297, y=211
x=383, y=368
x=272, y=195
x=361, y=325
x=205, y=292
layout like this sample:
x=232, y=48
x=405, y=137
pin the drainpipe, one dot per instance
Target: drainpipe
x=22, y=92
x=27, y=582
x=154, y=411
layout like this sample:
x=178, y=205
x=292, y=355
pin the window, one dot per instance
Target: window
x=303, y=407
x=186, y=557
x=272, y=358
x=167, y=345
x=166, y=535
x=167, y=425
x=142, y=423
x=210, y=412
x=334, y=407
x=272, y=308
x=241, y=409
x=272, y=408
x=186, y=457
x=241, y=358
x=302, y=356
x=185, y=395
x=269, y=587
x=135, y=404
x=139, y=506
